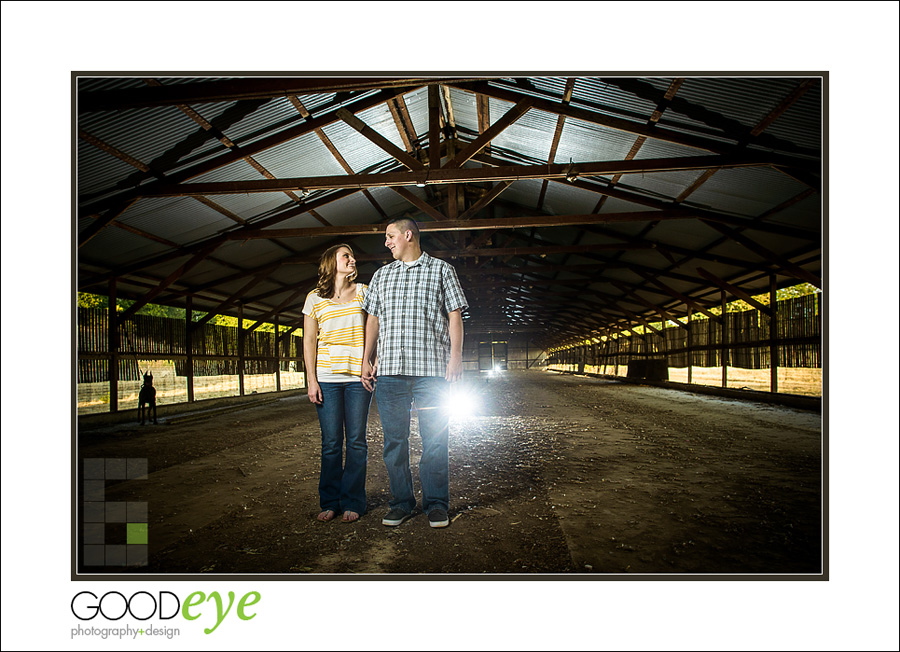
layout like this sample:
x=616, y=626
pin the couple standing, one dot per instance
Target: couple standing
x=409, y=319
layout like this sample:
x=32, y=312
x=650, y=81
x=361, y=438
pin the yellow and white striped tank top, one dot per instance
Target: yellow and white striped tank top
x=341, y=336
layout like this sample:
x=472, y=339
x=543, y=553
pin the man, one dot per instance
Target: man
x=415, y=325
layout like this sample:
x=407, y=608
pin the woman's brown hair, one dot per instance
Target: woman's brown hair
x=328, y=271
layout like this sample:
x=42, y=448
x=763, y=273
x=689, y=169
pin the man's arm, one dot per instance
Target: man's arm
x=371, y=348
x=454, y=367
x=310, y=343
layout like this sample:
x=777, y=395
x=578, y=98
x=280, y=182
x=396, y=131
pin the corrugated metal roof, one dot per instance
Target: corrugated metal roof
x=355, y=209
x=96, y=170
x=564, y=199
x=159, y=137
x=180, y=219
x=305, y=156
x=584, y=141
x=115, y=247
x=253, y=206
x=360, y=152
x=598, y=94
x=712, y=108
x=746, y=191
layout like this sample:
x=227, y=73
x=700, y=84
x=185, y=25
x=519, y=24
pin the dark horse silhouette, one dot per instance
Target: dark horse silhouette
x=147, y=397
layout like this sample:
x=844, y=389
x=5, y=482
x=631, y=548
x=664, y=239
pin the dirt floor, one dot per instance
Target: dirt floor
x=555, y=474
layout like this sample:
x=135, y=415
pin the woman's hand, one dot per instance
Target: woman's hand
x=314, y=392
x=368, y=376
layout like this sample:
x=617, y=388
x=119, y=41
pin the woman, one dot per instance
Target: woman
x=333, y=332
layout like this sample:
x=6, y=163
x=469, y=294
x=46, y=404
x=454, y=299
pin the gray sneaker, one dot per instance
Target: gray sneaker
x=395, y=517
x=438, y=518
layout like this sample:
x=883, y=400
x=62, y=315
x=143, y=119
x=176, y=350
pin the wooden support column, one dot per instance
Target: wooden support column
x=773, y=335
x=665, y=342
x=241, y=348
x=189, y=347
x=617, y=354
x=277, y=357
x=726, y=353
x=112, y=327
x=690, y=348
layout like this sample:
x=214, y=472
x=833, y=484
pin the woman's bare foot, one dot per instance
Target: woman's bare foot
x=326, y=515
x=350, y=517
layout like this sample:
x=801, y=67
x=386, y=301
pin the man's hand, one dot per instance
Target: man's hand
x=454, y=369
x=314, y=392
x=368, y=376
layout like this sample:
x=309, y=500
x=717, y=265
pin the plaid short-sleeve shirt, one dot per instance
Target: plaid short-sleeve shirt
x=412, y=304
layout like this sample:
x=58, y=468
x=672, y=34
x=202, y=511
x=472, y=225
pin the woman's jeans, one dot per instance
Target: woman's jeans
x=395, y=395
x=344, y=410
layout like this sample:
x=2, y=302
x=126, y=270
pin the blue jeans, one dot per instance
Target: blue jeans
x=395, y=395
x=344, y=409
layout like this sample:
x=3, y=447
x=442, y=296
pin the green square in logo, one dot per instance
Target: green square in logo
x=137, y=533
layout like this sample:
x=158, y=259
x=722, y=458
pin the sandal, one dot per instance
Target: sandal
x=350, y=517
x=326, y=515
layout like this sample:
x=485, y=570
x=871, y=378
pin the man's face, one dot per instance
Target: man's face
x=396, y=241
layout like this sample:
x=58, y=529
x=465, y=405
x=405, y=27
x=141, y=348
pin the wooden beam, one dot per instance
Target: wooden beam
x=736, y=291
x=171, y=278
x=630, y=292
x=470, y=150
x=109, y=149
x=434, y=127
x=231, y=156
x=379, y=140
x=401, y=126
x=421, y=204
x=681, y=297
x=457, y=175
x=547, y=221
x=618, y=124
x=487, y=199
x=184, y=251
x=243, y=89
x=189, y=346
x=557, y=134
x=112, y=214
x=256, y=280
x=773, y=335
x=775, y=113
x=522, y=251
x=787, y=266
x=112, y=334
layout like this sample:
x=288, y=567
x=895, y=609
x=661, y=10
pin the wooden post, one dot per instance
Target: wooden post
x=690, y=348
x=725, y=351
x=617, y=355
x=112, y=328
x=189, y=346
x=665, y=341
x=773, y=335
x=241, y=349
x=277, y=357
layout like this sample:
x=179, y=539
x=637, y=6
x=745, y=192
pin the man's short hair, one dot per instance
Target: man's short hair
x=405, y=224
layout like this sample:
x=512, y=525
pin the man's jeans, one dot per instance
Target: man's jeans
x=344, y=408
x=394, y=395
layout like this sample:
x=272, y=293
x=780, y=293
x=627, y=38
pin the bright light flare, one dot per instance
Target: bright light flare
x=462, y=402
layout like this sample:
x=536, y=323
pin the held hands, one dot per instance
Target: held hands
x=454, y=369
x=314, y=392
x=368, y=375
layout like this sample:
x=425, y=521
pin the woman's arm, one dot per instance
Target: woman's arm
x=310, y=346
x=369, y=352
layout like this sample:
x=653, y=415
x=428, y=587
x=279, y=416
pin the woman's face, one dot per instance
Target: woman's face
x=346, y=263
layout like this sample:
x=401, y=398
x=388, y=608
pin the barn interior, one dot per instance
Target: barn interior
x=643, y=263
